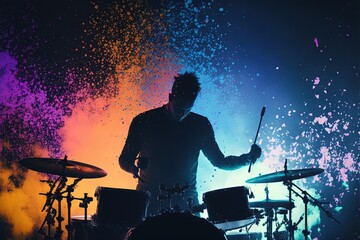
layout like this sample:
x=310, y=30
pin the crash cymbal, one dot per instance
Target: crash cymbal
x=63, y=167
x=268, y=203
x=288, y=175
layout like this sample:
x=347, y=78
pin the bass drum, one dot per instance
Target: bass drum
x=175, y=226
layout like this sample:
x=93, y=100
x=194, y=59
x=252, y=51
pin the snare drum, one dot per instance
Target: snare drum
x=228, y=208
x=120, y=207
x=81, y=228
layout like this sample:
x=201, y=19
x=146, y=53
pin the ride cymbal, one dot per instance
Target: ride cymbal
x=63, y=167
x=288, y=175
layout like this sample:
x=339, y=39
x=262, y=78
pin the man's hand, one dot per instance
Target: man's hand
x=255, y=152
x=143, y=163
x=135, y=171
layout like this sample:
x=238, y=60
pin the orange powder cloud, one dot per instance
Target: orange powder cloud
x=21, y=207
x=96, y=131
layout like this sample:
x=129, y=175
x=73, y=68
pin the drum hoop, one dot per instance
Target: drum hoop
x=230, y=225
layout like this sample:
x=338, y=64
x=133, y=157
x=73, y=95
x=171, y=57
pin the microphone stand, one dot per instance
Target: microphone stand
x=257, y=133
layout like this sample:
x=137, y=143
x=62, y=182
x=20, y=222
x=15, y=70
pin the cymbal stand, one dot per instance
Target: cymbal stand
x=69, y=198
x=50, y=211
x=59, y=197
x=317, y=203
x=269, y=212
x=306, y=199
x=291, y=227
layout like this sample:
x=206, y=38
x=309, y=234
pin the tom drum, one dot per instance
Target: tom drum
x=229, y=208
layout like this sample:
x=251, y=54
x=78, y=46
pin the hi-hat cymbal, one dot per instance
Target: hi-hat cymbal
x=288, y=175
x=63, y=167
x=268, y=203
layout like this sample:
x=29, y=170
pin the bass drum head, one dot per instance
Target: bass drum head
x=175, y=226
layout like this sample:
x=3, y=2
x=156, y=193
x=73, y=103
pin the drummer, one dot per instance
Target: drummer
x=165, y=142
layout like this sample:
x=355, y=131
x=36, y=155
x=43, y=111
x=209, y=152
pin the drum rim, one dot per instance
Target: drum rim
x=174, y=215
x=232, y=225
x=226, y=189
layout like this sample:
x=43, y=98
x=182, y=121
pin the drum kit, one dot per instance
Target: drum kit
x=121, y=213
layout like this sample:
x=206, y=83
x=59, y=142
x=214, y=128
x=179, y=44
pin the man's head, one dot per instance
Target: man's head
x=184, y=91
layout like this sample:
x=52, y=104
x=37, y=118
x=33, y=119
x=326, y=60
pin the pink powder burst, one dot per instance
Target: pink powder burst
x=316, y=81
x=321, y=120
x=316, y=42
x=324, y=160
x=343, y=174
x=349, y=162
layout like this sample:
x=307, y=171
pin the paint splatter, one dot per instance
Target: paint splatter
x=316, y=42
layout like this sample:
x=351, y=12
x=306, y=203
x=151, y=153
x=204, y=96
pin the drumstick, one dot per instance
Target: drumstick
x=257, y=133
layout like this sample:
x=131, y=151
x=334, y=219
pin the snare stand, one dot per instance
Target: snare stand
x=270, y=216
x=170, y=192
x=84, y=204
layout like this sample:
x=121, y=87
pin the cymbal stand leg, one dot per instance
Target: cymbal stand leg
x=306, y=231
x=49, y=220
x=50, y=211
x=59, y=197
x=278, y=225
x=69, y=199
x=59, y=219
x=291, y=227
x=269, y=223
x=305, y=199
